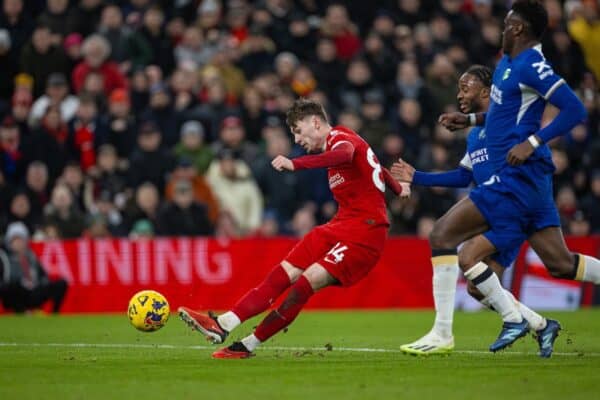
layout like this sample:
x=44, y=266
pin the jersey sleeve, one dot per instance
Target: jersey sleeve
x=539, y=75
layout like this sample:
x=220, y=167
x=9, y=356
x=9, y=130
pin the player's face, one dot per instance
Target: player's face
x=512, y=26
x=306, y=134
x=469, y=93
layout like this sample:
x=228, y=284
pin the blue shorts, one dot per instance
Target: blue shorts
x=506, y=258
x=513, y=217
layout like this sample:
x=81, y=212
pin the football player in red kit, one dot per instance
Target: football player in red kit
x=340, y=252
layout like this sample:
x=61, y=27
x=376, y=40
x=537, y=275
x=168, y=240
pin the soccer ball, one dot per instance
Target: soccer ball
x=148, y=311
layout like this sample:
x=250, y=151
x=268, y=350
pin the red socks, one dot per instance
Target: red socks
x=287, y=312
x=264, y=295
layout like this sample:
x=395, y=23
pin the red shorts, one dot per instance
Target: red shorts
x=346, y=260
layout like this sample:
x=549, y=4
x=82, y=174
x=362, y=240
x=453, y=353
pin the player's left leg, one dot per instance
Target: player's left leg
x=217, y=328
x=313, y=279
x=550, y=246
x=546, y=330
x=486, y=281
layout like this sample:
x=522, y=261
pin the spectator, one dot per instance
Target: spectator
x=233, y=137
x=57, y=94
x=63, y=213
x=84, y=17
x=202, y=192
x=121, y=125
x=96, y=51
x=128, y=48
x=160, y=110
x=25, y=284
x=54, y=18
x=14, y=152
x=153, y=33
x=37, y=188
x=191, y=146
x=86, y=132
x=237, y=192
x=337, y=26
x=50, y=142
x=40, y=58
x=150, y=162
x=584, y=27
x=145, y=207
x=72, y=47
x=184, y=216
x=589, y=204
x=283, y=192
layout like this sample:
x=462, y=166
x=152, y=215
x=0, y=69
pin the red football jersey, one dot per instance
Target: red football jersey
x=358, y=186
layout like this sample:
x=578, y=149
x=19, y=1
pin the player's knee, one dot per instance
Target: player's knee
x=439, y=237
x=474, y=292
x=466, y=261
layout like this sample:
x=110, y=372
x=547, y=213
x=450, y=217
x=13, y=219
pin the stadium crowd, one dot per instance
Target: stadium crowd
x=141, y=117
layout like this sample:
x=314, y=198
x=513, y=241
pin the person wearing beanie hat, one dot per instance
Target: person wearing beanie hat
x=24, y=284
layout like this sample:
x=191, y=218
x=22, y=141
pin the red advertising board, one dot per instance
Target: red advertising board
x=212, y=274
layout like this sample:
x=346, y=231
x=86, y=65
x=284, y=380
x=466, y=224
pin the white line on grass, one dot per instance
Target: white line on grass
x=279, y=348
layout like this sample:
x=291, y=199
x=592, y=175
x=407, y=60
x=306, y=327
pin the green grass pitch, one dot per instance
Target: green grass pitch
x=324, y=355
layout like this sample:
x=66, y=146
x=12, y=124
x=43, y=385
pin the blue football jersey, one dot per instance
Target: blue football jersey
x=476, y=158
x=520, y=89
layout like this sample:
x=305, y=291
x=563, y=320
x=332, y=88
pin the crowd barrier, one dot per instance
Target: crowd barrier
x=207, y=273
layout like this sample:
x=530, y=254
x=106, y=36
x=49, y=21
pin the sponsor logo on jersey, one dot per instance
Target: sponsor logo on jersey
x=543, y=70
x=506, y=74
x=335, y=180
x=479, y=156
x=496, y=94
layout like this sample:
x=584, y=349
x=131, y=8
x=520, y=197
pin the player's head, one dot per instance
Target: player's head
x=526, y=21
x=474, y=89
x=309, y=124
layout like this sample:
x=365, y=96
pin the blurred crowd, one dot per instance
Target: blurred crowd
x=148, y=117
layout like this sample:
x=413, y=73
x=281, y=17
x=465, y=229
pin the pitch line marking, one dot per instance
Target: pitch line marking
x=277, y=348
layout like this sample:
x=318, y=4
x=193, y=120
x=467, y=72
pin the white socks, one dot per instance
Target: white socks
x=228, y=321
x=251, y=342
x=588, y=269
x=536, y=321
x=489, y=285
x=444, y=291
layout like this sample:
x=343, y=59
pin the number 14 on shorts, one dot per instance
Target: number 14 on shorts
x=336, y=254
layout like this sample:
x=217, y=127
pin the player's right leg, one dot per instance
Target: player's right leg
x=546, y=330
x=216, y=328
x=550, y=246
x=460, y=222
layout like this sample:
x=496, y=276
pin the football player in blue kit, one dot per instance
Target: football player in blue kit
x=516, y=202
x=473, y=96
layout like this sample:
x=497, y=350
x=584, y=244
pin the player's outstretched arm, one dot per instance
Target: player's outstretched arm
x=342, y=153
x=571, y=113
x=456, y=120
x=459, y=177
x=281, y=163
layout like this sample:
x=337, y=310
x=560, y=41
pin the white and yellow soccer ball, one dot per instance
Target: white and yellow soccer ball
x=148, y=311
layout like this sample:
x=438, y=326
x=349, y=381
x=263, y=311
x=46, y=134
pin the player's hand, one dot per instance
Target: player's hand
x=281, y=163
x=405, y=194
x=402, y=171
x=454, y=121
x=519, y=153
